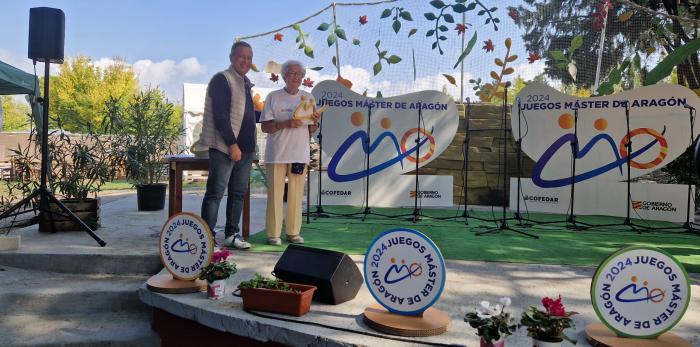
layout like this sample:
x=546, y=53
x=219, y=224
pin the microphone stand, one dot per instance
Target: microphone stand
x=416, y=210
x=688, y=225
x=503, y=222
x=319, y=207
x=571, y=222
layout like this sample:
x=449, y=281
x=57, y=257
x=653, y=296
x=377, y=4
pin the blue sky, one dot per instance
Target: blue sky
x=171, y=42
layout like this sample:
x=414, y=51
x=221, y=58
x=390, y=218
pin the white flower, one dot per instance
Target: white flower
x=505, y=301
x=497, y=309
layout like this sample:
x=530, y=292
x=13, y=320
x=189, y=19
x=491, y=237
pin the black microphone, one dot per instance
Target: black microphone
x=507, y=84
x=518, y=100
x=686, y=105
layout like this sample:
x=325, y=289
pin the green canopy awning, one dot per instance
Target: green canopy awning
x=15, y=81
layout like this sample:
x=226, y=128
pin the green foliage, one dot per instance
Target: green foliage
x=467, y=50
x=665, y=67
x=563, y=59
x=457, y=8
x=336, y=32
x=381, y=55
x=219, y=270
x=400, y=13
x=79, y=92
x=146, y=134
x=546, y=327
x=16, y=115
x=301, y=40
x=491, y=327
x=80, y=164
x=263, y=282
x=614, y=78
x=625, y=35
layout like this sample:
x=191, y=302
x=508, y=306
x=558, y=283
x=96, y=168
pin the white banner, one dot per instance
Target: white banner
x=434, y=191
x=665, y=202
x=394, y=132
x=659, y=129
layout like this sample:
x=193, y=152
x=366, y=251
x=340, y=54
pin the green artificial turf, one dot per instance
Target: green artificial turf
x=556, y=243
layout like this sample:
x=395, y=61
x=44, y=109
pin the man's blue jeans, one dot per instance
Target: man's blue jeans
x=223, y=173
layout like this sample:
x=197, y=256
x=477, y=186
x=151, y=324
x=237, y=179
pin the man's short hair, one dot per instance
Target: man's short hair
x=238, y=44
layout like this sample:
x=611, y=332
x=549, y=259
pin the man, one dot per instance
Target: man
x=229, y=131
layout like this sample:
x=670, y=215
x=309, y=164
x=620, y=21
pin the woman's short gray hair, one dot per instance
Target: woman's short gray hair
x=290, y=63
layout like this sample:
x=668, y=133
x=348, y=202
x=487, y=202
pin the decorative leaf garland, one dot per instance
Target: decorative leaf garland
x=458, y=7
x=301, y=40
x=490, y=90
x=393, y=59
x=336, y=33
x=400, y=13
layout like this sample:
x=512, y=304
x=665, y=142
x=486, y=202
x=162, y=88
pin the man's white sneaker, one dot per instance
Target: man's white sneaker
x=275, y=241
x=236, y=242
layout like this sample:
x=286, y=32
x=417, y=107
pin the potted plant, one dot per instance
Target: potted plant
x=273, y=295
x=217, y=272
x=492, y=323
x=148, y=133
x=547, y=327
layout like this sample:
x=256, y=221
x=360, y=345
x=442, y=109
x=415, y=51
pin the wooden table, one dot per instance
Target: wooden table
x=179, y=163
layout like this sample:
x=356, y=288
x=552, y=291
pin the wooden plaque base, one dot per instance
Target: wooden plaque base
x=432, y=322
x=165, y=283
x=600, y=335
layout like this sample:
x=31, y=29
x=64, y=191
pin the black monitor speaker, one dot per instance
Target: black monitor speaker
x=334, y=273
x=47, y=28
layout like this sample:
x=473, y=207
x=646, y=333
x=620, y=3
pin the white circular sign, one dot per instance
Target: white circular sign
x=186, y=245
x=404, y=271
x=640, y=292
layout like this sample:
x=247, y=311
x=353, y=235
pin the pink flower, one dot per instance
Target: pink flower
x=554, y=307
x=220, y=256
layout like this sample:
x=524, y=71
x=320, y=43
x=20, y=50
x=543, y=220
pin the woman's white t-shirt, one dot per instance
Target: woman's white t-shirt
x=288, y=145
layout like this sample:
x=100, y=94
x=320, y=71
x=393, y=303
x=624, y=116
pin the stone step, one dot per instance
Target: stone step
x=96, y=329
x=39, y=292
x=41, y=308
x=128, y=264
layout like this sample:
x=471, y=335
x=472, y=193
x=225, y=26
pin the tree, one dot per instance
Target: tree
x=551, y=25
x=80, y=90
x=15, y=114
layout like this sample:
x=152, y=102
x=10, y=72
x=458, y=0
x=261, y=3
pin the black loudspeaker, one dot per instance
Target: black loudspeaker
x=334, y=273
x=47, y=28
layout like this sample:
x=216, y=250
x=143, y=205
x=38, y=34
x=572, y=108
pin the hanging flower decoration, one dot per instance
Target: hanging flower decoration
x=601, y=13
x=534, y=56
x=513, y=13
x=308, y=82
x=461, y=28
x=363, y=20
x=274, y=77
x=488, y=46
x=278, y=37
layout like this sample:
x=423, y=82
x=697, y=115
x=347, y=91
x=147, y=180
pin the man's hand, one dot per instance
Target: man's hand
x=316, y=116
x=234, y=152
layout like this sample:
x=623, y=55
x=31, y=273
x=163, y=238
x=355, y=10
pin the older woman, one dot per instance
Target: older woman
x=286, y=153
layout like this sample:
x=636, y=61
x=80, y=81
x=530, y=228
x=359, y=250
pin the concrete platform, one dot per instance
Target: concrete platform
x=131, y=252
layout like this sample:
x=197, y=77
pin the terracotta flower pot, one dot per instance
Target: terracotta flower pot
x=540, y=343
x=295, y=303
x=499, y=343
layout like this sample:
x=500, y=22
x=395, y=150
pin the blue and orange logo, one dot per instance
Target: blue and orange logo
x=403, y=150
x=636, y=293
x=619, y=152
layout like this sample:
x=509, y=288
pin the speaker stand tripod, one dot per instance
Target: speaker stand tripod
x=43, y=193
